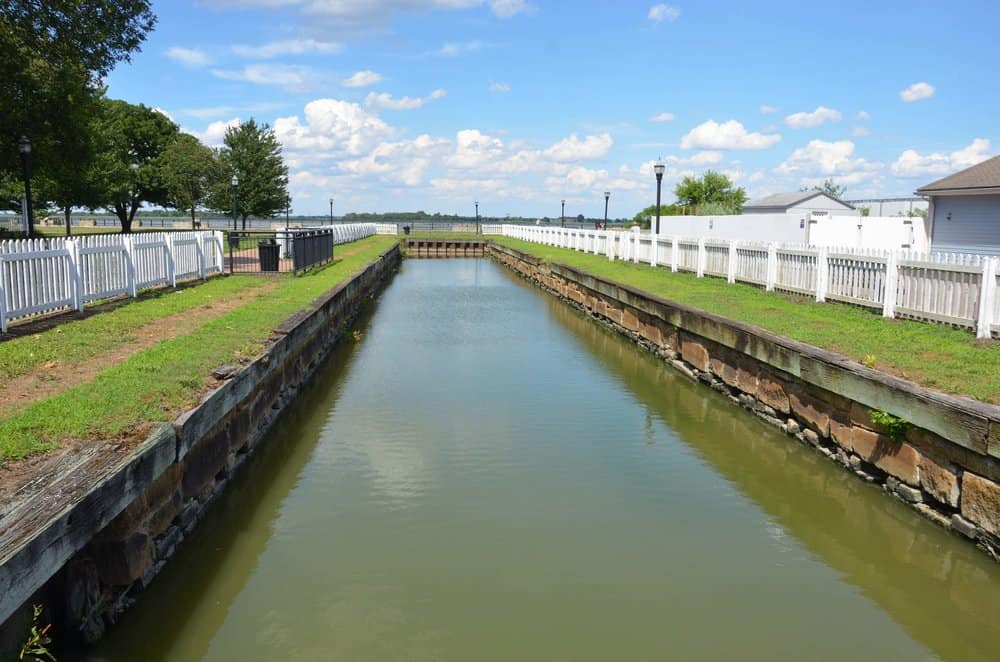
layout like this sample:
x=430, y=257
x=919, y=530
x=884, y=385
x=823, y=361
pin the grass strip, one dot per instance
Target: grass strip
x=935, y=356
x=78, y=340
x=159, y=383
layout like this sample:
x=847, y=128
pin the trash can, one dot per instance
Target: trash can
x=268, y=252
x=406, y=229
x=234, y=241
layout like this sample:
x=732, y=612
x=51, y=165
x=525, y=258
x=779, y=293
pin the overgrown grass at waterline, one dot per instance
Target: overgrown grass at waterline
x=158, y=383
x=932, y=355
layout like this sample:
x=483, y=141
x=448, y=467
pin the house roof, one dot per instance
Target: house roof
x=786, y=200
x=985, y=175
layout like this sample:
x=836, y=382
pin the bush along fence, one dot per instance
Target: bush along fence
x=947, y=288
x=39, y=276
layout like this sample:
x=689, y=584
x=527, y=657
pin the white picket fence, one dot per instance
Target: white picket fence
x=959, y=290
x=386, y=228
x=39, y=276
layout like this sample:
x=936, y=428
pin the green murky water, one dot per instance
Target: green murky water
x=488, y=475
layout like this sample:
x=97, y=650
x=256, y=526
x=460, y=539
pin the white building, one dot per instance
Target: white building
x=799, y=203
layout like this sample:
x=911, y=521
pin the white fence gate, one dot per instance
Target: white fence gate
x=960, y=290
x=40, y=276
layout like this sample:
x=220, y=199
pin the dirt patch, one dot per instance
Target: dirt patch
x=57, y=376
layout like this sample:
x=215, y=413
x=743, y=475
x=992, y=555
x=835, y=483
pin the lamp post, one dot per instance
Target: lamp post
x=331, y=211
x=235, y=183
x=477, y=216
x=562, y=217
x=24, y=147
x=288, y=206
x=607, y=194
x=658, y=169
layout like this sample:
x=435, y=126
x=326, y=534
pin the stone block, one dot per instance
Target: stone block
x=940, y=480
x=811, y=412
x=205, y=460
x=896, y=459
x=981, y=502
x=773, y=394
x=727, y=373
x=746, y=381
x=163, y=517
x=695, y=353
x=964, y=526
x=630, y=321
x=120, y=562
x=841, y=434
x=670, y=339
x=651, y=332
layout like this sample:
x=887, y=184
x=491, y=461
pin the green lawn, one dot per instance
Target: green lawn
x=935, y=356
x=159, y=383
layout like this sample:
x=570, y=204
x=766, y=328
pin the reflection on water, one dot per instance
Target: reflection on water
x=487, y=474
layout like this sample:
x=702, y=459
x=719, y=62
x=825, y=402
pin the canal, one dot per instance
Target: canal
x=483, y=473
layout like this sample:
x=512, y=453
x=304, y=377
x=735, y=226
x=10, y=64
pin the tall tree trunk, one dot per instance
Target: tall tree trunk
x=193, y=222
x=66, y=210
x=123, y=217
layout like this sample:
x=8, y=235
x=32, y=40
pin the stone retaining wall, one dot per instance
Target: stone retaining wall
x=87, y=561
x=944, y=462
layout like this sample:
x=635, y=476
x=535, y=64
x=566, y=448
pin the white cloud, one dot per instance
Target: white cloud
x=332, y=127
x=662, y=117
x=455, y=185
x=767, y=110
x=498, y=87
x=291, y=77
x=661, y=12
x=861, y=131
x=575, y=179
x=165, y=114
x=362, y=79
x=826, y=158
x=574, y=149
x=862, y=116
x=453, y=49
x=913, y=164
x=819, y=116
x=509, y=8
x=709, y=157
x=405, y=161
x=757, y=176
x=916, y=92
x=189, y=57
x=384, y=100
x=287, y=47
x=219, y=111
x=474, y=149
x=215, y=132
x=727, y=135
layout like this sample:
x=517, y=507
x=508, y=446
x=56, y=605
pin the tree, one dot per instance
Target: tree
x=188, y=171
x=642, y=218
x=134, y=138
x=829, y=187
x=253, y=154
x=711, y=187
x=55, y=54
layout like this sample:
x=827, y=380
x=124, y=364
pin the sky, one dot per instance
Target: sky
x=405, y=105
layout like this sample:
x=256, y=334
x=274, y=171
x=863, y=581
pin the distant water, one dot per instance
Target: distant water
x=488, y=475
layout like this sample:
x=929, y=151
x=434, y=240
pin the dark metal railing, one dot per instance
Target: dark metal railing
x=311, y=247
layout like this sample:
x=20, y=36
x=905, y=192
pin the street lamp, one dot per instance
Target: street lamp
x=235, y=183
x=288, y=206
x=562, y=217
x=658, y=169
x=331, y=211
x=24, y=147
x=477, y=216
x=607, y=194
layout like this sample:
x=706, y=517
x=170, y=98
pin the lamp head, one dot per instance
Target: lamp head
x=236, y=181
x=658, y=169
x=607, y=194
x=24, y=145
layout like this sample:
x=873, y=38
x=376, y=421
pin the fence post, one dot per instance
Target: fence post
x=200, y=245
x=635, y=244
x=673, y=253
x=3, y=297
x=75, y=273
x=702, y=257
x=130, y=265
x=822, y=273
x=891, y=283
x=731, y=264
x=987, y=297
x=654, y=245
x=772, y=267
x=171, y=269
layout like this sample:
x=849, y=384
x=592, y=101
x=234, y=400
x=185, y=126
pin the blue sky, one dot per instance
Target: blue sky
x=431, y=104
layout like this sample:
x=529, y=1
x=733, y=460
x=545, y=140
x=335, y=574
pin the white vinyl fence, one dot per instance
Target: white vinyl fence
x=386, y=228
x=960, y=290
x=44, y=275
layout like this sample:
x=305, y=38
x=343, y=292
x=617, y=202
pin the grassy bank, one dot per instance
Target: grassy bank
x=934, y=356
x=159, y=383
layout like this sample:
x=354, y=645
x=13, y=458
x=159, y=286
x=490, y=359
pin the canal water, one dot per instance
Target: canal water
x=486, y=474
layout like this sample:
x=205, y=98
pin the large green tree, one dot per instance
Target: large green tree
x=55, y=54
x=712, y=187
x=134, y=137
x=831, y=188
x=252, y=153
x=188, y=171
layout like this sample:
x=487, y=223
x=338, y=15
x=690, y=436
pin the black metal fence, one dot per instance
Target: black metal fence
x=310, y=248
x=277, y=251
